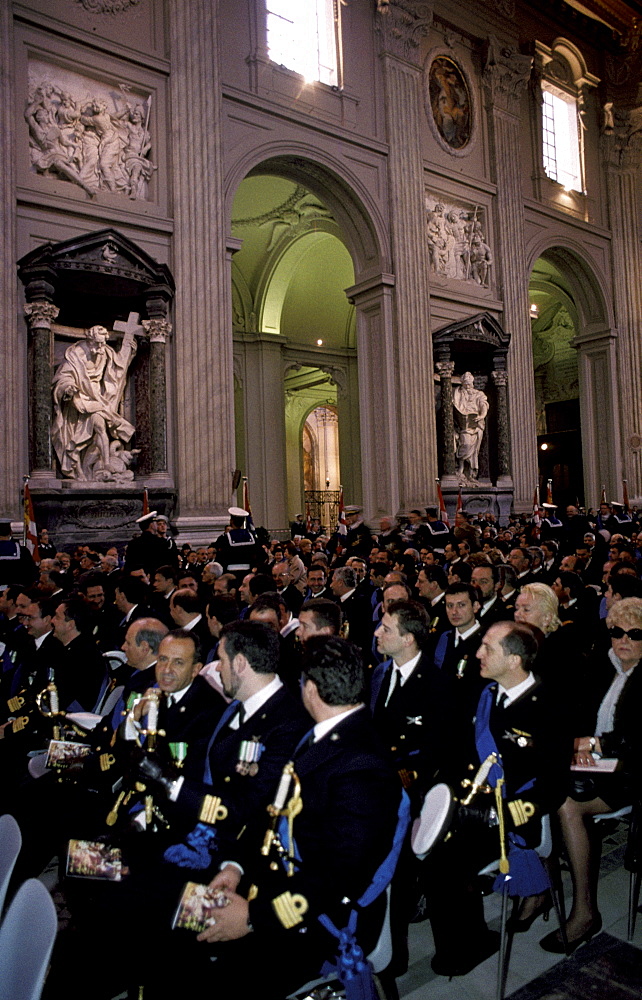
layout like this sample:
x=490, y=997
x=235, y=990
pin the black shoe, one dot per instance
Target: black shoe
x=521, y=924
x=461, y=964
x=553, y=942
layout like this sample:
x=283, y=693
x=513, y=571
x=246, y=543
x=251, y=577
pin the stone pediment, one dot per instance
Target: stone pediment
x=481, y=329
x=105, y=262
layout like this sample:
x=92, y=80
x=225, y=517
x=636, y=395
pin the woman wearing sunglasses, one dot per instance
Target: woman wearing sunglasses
x=612, y=720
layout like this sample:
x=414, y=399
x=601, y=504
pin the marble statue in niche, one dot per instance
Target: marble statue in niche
x=470, y=408
x=89, y=432
x=100, y=141
x=450, y=102
x=457, y=245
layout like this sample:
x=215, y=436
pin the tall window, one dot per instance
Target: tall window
x=303, y=36
x=561, y=137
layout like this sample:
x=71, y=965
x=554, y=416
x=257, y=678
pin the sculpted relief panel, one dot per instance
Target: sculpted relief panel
x=457, y=242
x=89, y=133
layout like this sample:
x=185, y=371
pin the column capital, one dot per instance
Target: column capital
x=158, y=330
x=445, y=369
x=622, y=137
x=41, y=314
x=402, y=24
x=500, y=377
x=506, y=74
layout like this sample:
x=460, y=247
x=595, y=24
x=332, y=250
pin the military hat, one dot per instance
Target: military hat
x=146, y=519
x=550, y=506
x=237, y=512
x=352, y=508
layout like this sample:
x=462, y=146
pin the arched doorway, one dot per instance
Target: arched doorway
x=294, y=339
x=575, y=379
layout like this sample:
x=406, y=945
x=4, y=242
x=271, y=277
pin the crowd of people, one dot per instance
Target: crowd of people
x=255, y=716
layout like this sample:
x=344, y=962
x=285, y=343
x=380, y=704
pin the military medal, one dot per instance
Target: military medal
x=249, y=755
x=461, y=666
x=178, y=752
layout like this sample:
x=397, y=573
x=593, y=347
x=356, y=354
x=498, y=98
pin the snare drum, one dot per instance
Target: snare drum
x=434, y=821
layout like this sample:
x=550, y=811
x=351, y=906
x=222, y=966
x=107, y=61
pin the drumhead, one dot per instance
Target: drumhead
x=432, y=824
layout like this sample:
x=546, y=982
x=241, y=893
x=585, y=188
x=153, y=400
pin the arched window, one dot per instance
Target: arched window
x=564, y=79
x=304, y=36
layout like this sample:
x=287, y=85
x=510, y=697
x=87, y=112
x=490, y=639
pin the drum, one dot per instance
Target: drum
x=433, y=823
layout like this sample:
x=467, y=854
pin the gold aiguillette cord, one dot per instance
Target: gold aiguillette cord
x=504, y=866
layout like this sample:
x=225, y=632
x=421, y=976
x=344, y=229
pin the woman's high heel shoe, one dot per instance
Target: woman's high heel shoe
x=518, y=925
x=553, y=942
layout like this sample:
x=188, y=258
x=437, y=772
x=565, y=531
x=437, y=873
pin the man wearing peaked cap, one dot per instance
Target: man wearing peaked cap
x=146, y=549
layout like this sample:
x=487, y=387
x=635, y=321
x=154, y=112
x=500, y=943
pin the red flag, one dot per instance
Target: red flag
x=603, y=497
x=549, y=491
x=308, y=520
x=145, y=502
x=625, y=495
x=30, y=531
x=443, y=513
x=246, y=505
x=458, y=512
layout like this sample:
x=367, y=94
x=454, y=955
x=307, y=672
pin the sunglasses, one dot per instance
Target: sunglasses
x=634, y=634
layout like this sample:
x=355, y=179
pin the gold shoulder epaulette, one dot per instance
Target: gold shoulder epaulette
x=289, y=908
x=212, y=810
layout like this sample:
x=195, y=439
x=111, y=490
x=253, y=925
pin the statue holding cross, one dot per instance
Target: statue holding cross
x=89, y=431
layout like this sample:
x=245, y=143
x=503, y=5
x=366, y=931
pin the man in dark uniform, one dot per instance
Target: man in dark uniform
x=357, y=540
x=237, y=549
x=524, y=722
x=146, y=549
x=83, y=669
x=16, y=562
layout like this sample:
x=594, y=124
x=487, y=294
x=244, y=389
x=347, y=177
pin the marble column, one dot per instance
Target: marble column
x=622, y=151
x=158, y=330
x=203, y=314
x=500, y=378
x=264, y=413
x=506, y=74
x=402, y=27
x=40, y=315
x=12, y=377
x=445, y=371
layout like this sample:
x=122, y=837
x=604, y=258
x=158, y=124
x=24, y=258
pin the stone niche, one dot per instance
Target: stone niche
x=97, y=310
x=479, y=463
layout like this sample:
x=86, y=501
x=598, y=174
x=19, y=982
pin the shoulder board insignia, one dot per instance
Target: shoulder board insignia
x=290, y=908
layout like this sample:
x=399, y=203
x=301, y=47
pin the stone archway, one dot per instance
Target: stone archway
x=575, y=370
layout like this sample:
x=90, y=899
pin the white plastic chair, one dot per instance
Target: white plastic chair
x=27, y=936
x=10, y=844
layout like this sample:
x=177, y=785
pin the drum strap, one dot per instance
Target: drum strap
x=350, y=964
x=527, y=876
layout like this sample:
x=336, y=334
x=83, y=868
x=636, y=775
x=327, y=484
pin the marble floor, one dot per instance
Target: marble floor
x=528, y=961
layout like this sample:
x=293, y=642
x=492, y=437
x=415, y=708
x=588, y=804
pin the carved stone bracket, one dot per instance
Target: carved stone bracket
x=622, y=139
x=506, y=74
x=402, y=24
x=158, y=330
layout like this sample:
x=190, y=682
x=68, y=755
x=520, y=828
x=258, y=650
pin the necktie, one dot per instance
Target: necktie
x=170, y=700
x=503, y=698
x=394, y=680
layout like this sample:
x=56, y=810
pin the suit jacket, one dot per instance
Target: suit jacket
x=350, y=796
x=497, y=612
x=81, y=674
x=415, y=723
x=277, y=727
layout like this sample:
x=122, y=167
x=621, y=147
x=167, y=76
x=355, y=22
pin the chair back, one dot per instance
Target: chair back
x=10, y=844
x=27, y=936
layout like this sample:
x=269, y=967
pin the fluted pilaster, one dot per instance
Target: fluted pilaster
x=506, y=74
x=12, y=379
x=402, y=28
x=623, y=153
x=203, y=343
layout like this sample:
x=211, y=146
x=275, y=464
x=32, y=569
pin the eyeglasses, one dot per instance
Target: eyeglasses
x=634, y=634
